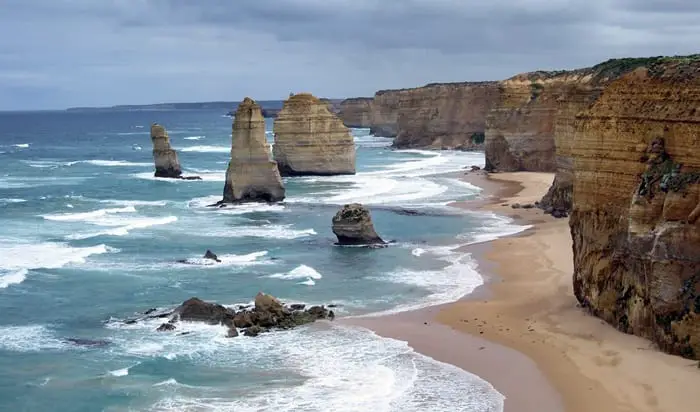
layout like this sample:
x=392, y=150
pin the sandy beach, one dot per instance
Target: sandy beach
x=524, y=332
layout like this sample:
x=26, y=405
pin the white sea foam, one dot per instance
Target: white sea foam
x=268, y=231
x=12, y=278
x=207, y=149
x=29, y=338
x=300, y=272
x=340, y=369
x=418, y=252
x=204, y=203
x=112, y=163
x=492, y=226
x=21, y=145
x=415, y=182
x=308, y=282
x=122, y=372
x=151, y=176
x=132, y=133
x=11, y=200
x=253, y=258
x=88, y=216
x=127, y=225
x=209, y=175
x=134, y=202
x=194, y=137
x=47, y=255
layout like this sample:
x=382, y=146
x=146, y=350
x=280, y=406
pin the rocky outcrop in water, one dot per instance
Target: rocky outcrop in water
x=352, y=225
x=636, y=202
x=165, y=158
x=310, y=140
x=268, y=313
x=251, y=176
x=435, y=116
x=356, y=112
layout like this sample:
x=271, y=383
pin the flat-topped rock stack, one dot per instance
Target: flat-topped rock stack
x=310, y=140
x=251, y=175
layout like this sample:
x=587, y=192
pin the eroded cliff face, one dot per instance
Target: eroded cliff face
x=521, y=129
x=446, y=116
x=251, y=176
x=636, y=203
x=435, y=116
x=356, y=112
x=310, y=140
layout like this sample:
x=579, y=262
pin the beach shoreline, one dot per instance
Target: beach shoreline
x=523, y=332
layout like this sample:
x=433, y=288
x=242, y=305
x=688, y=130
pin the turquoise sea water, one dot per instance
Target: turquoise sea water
x=89, y=237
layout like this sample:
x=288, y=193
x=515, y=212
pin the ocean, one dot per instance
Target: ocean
x=89, y=238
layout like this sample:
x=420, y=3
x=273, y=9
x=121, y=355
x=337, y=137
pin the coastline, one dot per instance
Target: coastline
x=523, y=332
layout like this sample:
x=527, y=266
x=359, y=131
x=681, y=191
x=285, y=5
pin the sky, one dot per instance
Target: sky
x=63, y=53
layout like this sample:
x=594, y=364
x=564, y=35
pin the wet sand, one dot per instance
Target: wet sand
x=524, y=332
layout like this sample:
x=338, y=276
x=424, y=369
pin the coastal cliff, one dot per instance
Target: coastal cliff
x=251, y=176
x=356, y=112
x=636, y=202
x=310, y=140
x=435, y=116
x=520, y=130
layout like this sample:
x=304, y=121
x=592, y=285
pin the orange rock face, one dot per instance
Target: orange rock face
x=636, y=203
x=436, y=116
x=521, y=129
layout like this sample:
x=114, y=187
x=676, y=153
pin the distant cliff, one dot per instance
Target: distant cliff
x=356, y=112
x=636, y=200
x=435, y=116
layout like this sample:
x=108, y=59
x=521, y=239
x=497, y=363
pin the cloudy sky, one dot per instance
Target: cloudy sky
x=61, y=53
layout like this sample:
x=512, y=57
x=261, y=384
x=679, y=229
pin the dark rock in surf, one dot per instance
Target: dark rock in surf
x=211, y=255
x=88, y=342
x=166, y=327
x=352, y=225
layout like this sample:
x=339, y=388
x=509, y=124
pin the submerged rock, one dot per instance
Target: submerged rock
x=251, y=175
x=311, y=140
x=88, y=342
x=352, y=225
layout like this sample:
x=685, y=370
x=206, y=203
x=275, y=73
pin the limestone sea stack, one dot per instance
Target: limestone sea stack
x=165, y=158
x=310, y=140
x=251, y=176
x=353, y=226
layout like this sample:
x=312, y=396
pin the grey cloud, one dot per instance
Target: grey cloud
x=76, y=52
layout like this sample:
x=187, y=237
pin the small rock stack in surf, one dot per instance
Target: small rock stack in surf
x=251, y=176
x=165, y=158
x=311, y=140
x=352, y=225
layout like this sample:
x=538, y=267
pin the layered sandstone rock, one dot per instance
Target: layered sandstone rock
x=356, y=112
x=520, y=132
x=435, y=116
x=352, y=225
x=164, y=157
x=310, y=140
x=251, y=176
x=636, y=202
x=446, y=116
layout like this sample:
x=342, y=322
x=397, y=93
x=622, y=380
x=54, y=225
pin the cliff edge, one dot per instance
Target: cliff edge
x=636, y=203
